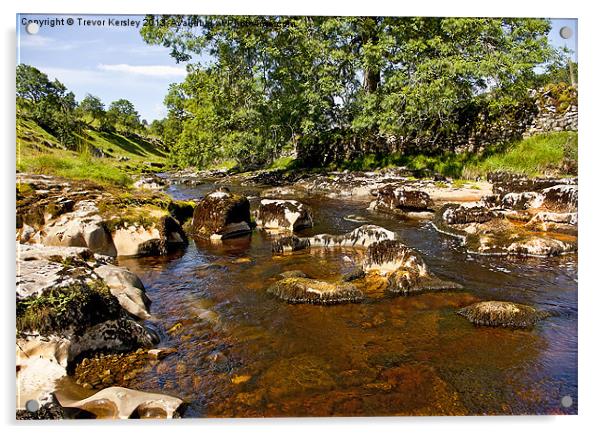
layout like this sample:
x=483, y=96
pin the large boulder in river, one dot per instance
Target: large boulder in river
x=122, y=403
x=304, y=290
x=156, y=236
x=289, y=215
x=221, y=215
x=401, y=199
x=404, y=270
x=502, y=314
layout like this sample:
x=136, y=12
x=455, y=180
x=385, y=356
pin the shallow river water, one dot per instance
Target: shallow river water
x=241, y=352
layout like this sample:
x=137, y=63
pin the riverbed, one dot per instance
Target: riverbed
x=242, y=352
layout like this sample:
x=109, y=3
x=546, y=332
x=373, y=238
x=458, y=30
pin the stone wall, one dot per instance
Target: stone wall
x=557, y=110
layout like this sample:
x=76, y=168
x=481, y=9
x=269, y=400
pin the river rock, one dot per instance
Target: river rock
x=361, y=237
x=289, y=215
x=221, y=215
x=504, y=183
x=127, y=288
x=404, y=270
x=502, y=314
x=150, y=183
x=122, y=403
x=401, y=199
x=561, y=198
x=65, y=308
x=304, y=290
x=81, y=228
x=155, y=238
x=522, y=201
x=454, y=214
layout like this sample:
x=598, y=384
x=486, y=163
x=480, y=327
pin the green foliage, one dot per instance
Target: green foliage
x=122, y=117
x=328, y=86
x=48, y=103
x=93, y=107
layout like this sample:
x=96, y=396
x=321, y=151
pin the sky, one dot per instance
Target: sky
x=93, y=54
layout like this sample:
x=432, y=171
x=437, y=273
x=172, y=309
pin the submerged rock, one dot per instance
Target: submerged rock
x=304, y=290
x=221, y=215
x=122, y=403
x=292, y=273
x=288, y=215
x=502, y=314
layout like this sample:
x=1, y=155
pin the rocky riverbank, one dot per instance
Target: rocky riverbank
x=72, y=298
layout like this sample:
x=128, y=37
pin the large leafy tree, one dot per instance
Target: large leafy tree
x=91, y=106
x=331, y=86
x=122, y=116
x=49, y=103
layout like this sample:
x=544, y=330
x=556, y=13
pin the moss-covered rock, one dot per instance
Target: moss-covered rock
x=304, y=290
x=502, y=314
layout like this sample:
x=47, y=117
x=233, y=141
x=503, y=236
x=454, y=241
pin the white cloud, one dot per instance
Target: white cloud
x=146, y=70
x=38, y=42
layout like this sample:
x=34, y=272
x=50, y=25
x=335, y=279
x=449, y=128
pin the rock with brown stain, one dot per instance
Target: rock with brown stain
x=221, y=215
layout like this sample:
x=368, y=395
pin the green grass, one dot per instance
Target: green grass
x=537, y=155
x=73, y=166
x=283, y=163
x=40, y=152
x=534, y=156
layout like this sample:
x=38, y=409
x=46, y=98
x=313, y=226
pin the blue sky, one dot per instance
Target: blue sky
x=113, y=62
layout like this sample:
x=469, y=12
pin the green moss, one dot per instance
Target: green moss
x=79, y=306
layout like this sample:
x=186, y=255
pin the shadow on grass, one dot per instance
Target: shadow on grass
x=138, y=146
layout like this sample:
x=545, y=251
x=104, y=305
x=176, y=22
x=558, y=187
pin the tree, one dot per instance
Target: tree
x=123, y=117
x=92, y=107
x=47, y=102
x=333, y=86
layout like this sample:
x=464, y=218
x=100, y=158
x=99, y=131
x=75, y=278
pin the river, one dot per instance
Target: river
x=241, y=352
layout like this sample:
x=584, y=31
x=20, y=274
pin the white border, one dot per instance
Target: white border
x=589, y=172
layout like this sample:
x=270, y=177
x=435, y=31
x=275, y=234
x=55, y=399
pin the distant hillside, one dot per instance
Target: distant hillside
x=106, y=157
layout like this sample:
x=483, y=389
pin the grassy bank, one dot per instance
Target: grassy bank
x=543, y=154
x=40, y=152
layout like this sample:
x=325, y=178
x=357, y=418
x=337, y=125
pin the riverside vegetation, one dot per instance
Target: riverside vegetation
x=294, y=240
